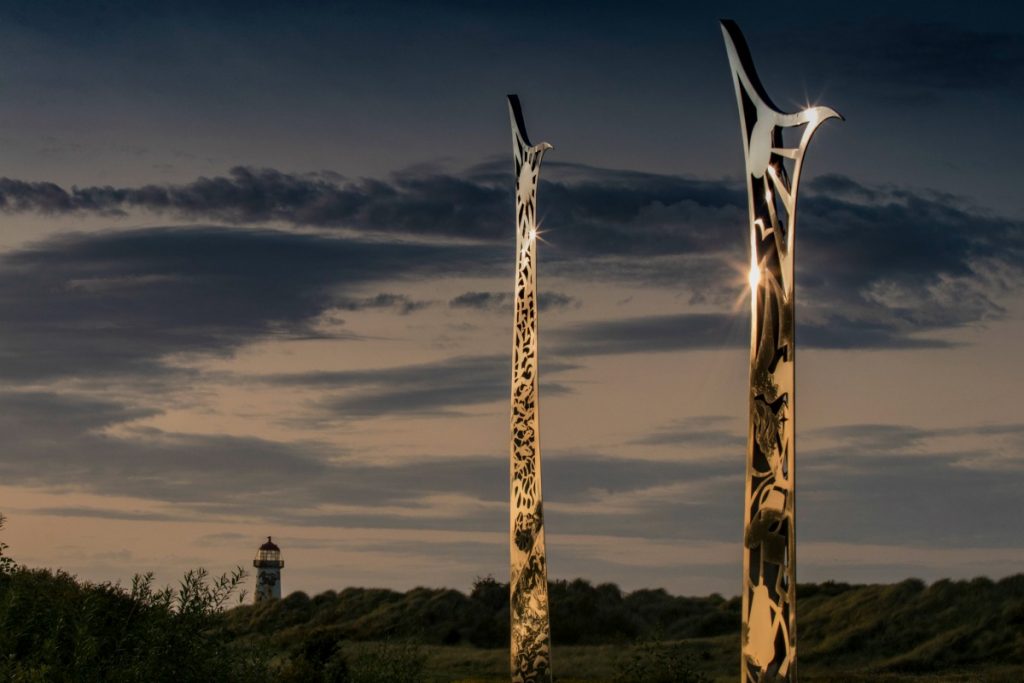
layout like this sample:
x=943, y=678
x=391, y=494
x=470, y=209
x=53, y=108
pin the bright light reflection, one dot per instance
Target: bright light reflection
x=743, y=280
x=754, y=276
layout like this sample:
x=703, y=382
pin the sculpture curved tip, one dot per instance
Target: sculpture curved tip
x=743, y=63
x=747, y=80
x=515, y=110
x=829, y=113
x=815, y=116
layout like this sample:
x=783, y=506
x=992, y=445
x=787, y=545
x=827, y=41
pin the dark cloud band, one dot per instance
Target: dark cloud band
x=120, y=302
x=879, y=267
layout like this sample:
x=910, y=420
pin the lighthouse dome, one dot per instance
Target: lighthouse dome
x=269, y=555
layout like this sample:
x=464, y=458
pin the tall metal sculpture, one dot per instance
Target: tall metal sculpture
x=769, y=542
x=528, y=585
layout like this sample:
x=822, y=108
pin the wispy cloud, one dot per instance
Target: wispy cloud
x=501, y=302
x=426, y=388
x=105, y=513
x=878, y=484
x=651, y=334
x=398, y=302
x=706, y=431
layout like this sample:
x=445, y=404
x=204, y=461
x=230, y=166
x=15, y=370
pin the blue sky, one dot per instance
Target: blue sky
x=255, y=265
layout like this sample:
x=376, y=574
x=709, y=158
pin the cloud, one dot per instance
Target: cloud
x=954, y=486
x=121, y=302
x=1003, y=443
x=706, y=431
x=64, y=442
x=592, y=209
x=855, y=480
x=61, y=441
x=422, y=389
x=716, y=331
x=399, y=302
x=501, y=302
x=885, y=263
x=690, y=331
x=879, y=266
x=650, y=334
x=903, y=485
x=483, y=301
x=586, y=211
x=409, y=204
x=105, y=513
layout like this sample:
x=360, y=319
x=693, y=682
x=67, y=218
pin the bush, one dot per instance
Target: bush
x=387, y=662
x=54, y=628
x=653, y=661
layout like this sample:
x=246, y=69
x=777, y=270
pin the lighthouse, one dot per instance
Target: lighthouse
x=268, y=565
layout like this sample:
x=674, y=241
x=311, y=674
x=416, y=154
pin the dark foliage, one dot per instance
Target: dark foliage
x=54, y=628
x=904, y=627
x=911, y=627
x=657, y=662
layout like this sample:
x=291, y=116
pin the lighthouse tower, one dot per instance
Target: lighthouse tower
x=268, y=565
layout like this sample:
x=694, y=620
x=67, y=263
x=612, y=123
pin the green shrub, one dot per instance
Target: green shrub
x=54, y=628
x=387, y=662
x=653, y=661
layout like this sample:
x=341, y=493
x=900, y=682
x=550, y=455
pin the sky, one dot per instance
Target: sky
x=256, y=264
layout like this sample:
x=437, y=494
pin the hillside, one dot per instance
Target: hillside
x=903, y=627
x=56, y=628
x=582, y=614
x=909, y=626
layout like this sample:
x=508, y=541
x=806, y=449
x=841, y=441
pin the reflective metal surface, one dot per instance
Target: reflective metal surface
x=528, y=585
x=769, y=541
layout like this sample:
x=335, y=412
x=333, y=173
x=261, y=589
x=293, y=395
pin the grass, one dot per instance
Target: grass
x=717, y=658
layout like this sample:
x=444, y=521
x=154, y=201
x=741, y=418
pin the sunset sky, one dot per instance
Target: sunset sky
x=256, y=265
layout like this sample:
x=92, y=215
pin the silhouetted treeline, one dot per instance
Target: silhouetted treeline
x=581, y=614
x=56, y=628
x=901, y=627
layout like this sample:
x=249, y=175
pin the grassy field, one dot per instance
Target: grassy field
x=716, y=658
x=908, y=631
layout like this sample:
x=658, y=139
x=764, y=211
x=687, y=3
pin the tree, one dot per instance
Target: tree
x=7, y=565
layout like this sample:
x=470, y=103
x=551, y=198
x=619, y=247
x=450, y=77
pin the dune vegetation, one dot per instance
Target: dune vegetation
x=54, y=627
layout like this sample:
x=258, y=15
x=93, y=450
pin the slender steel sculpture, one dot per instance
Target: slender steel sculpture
x=769, y=542
x=528, y=585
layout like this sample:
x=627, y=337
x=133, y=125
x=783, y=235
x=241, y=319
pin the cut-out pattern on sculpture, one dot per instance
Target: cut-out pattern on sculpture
x=528, y=585
x=769, y=541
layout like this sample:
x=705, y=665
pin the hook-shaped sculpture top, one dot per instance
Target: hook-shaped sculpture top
x=762, y=136
x=772, y=190
x=521, y=146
